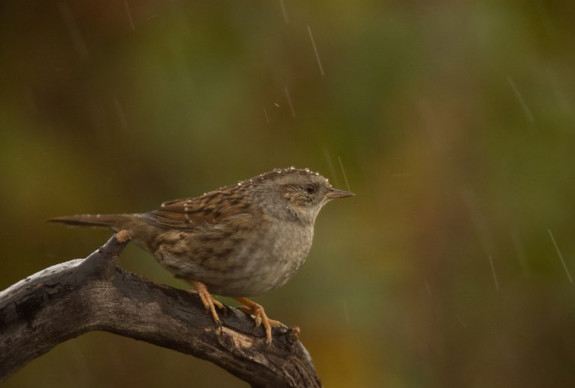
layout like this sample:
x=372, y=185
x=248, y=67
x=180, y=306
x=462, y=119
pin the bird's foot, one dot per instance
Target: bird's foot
x=257, y=311
x=209, y=302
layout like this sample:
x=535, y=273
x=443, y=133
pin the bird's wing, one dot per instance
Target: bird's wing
x=191, y=213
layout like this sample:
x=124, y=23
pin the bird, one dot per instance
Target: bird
x=239, y=241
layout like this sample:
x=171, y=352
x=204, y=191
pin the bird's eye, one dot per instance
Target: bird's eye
x=310, y=189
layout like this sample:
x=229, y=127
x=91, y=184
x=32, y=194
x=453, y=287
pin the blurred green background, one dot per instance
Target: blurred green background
x=454, y=124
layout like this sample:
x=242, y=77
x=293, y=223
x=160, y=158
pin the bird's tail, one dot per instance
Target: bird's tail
x=114, y=221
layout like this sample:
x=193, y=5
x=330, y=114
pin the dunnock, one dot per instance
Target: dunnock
x=241, y=240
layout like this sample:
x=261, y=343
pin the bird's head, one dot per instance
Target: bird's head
x=296, y=194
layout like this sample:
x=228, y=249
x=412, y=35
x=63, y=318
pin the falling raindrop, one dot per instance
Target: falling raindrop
x=330, y=165
x=492, y=265
x=288, y=98
x=129, y=14
x=344, y=174
x=427, y=288
x=319, y=64
x=284, y=11
x=345, y=311
x=521, y=100
x=569, y=277
x=460, y=320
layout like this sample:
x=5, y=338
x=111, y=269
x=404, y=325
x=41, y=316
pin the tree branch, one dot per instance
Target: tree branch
x=82, y=295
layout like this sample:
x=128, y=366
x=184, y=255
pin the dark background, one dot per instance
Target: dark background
x=454, y=122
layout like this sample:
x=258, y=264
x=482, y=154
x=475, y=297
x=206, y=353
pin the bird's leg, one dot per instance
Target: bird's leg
x=209, y=302
x=252, y=308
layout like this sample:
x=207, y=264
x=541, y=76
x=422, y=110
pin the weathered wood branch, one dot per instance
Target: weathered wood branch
x=82, y=295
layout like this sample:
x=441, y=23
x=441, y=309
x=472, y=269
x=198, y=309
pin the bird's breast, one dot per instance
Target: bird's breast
x=287, y=249
x=247, y=265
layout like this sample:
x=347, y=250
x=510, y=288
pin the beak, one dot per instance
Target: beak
x=335, y=193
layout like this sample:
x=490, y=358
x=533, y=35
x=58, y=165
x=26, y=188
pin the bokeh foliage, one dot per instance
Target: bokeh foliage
x=453, y=121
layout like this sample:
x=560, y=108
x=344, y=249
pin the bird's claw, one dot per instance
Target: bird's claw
x=259, y=315
x=209, y=302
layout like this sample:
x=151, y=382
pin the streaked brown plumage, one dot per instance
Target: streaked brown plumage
x=241, y=240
